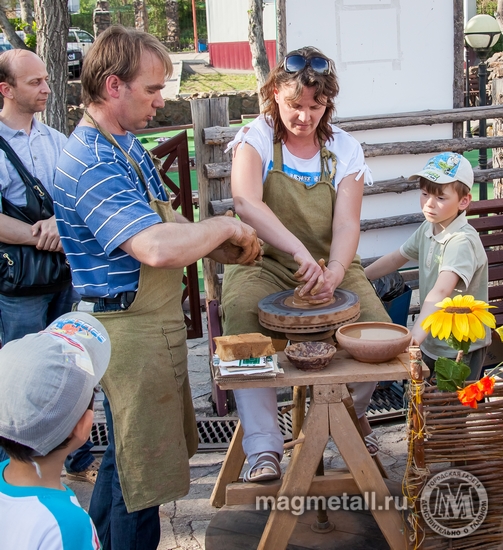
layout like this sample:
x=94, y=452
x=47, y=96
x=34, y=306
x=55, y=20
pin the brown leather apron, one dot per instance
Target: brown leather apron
x=147, y=385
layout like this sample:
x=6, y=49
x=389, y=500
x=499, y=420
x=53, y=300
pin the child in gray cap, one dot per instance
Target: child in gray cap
x=46, y=398
x=449, y=252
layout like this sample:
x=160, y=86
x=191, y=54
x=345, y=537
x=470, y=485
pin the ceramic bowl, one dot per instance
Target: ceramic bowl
x=373, y=342
x=310, y=356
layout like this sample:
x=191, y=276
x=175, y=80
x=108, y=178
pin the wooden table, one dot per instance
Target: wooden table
x=328, y=415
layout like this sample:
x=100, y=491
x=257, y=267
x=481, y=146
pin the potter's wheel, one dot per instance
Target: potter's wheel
x=277, y=313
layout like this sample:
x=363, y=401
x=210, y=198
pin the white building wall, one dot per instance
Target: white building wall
x=391, y=56
x=227, y=20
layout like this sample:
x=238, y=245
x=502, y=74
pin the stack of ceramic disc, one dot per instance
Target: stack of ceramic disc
x=276, y=312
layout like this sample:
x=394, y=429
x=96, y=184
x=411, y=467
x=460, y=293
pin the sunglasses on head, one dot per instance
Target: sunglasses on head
x=296, y=62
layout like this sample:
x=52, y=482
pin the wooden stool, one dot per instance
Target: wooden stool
x=329, y=415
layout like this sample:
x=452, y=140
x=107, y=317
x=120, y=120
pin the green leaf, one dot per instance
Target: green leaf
x=457, y=345
x=450, y=375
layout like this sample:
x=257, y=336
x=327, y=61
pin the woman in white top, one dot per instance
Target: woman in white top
x=298, y=180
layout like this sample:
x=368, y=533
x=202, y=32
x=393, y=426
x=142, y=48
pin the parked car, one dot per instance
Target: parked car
x=80, y=40
x=74, y=54
x=74, y=62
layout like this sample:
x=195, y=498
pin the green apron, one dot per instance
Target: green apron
x=308, y=213
x=147, y=385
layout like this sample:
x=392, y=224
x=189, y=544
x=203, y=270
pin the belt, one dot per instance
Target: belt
x=124, y=299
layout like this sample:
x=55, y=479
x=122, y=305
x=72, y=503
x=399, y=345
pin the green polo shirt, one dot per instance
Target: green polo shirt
x=457, y=248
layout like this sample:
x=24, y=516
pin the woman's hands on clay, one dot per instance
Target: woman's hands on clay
x=323, y=290
x=309, y=272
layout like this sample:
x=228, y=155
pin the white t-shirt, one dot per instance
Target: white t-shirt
x=43, y=519
x=347, y=149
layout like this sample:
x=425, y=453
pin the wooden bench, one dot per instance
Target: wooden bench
x=488, y=221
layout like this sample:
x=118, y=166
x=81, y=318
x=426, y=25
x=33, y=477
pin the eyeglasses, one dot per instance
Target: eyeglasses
x=296, y=62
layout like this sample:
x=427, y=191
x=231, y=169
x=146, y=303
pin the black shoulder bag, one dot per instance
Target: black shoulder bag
x=25, y=270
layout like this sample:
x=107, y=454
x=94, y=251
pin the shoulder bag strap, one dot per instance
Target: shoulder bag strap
x=39, y=204
x=28, y=179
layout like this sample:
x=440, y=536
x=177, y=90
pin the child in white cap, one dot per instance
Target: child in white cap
x=452, y=259
x=46, y=397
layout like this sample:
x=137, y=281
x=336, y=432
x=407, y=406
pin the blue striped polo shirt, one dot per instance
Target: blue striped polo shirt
x=100, y=202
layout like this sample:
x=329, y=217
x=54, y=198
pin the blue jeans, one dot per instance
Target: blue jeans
x=117, y=529
x=81, y=459
x=24, y=315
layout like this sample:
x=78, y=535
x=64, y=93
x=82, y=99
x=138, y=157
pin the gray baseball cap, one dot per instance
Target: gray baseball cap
x=48, y=379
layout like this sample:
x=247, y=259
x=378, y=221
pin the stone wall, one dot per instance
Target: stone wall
x=176, y=112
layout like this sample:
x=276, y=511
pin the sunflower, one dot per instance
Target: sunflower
x=462, y=316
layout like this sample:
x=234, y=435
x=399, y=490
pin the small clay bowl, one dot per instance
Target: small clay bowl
x=310, y=356
x=373, y=342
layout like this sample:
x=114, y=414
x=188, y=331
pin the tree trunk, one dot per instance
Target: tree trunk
x=499, y=14
x=53, y=20
x=9, y=30
x=172, y=25
x=140, y=15
x=256, y=38
x=27, y=14
x=281, y=47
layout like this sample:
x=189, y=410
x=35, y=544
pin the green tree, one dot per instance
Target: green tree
x=8, y=28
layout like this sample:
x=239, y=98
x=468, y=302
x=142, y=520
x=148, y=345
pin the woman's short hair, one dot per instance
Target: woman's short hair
x=117, y=51
x=326, y=89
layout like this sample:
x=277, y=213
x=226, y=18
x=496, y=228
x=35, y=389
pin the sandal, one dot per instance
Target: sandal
x=371, y=443
x=265, y=460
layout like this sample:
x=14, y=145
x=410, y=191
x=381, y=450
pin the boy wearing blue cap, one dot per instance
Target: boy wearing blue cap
x=451, y=257
x=46, y=397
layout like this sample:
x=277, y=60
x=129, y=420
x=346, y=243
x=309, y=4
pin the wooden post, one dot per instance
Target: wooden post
x=206, y=113
x=194, y=22
x=299, y=410
x=417, y=434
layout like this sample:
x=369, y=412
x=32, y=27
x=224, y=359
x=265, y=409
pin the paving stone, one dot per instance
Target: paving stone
x=168, y=539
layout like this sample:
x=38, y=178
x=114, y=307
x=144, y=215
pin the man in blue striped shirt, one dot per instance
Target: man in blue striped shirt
x=127, y=249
